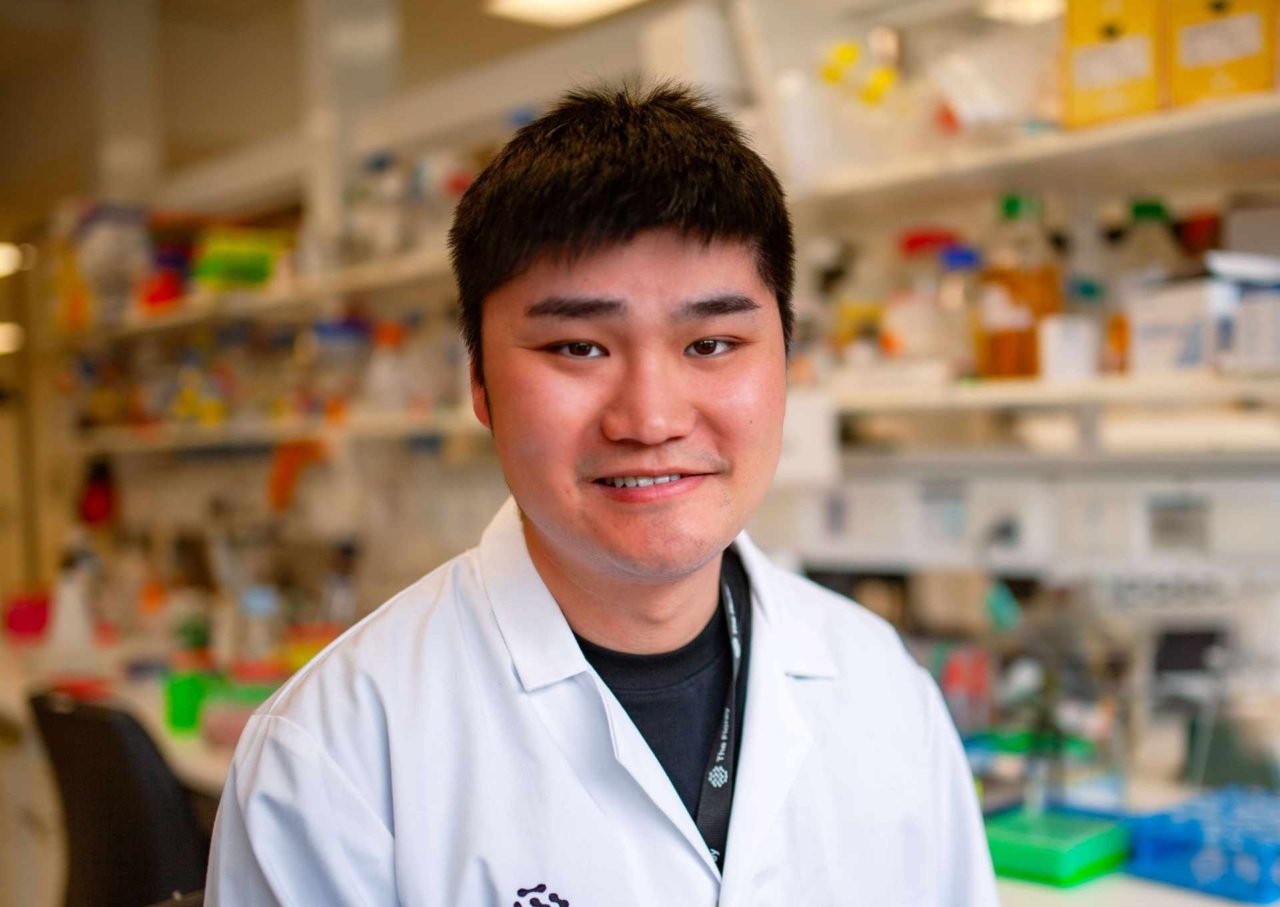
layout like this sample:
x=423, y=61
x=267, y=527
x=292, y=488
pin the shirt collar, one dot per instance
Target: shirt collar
x=542, y=645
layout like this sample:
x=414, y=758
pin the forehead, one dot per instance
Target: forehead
x=659, y=266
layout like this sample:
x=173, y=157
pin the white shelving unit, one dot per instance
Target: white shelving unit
x=290, y=295
x=1225, y=141
x=1027, y=394
x=996, y=396
x=254, y=435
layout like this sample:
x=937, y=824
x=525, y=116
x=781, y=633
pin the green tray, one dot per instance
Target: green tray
x=1055, y=848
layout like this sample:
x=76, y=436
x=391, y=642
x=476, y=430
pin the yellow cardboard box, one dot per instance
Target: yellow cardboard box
x=1114, y=59
x=1220, y=48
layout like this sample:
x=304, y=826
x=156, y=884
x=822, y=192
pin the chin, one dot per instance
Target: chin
x=666, y=559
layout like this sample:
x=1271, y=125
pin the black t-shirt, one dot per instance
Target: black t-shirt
x=676, y=699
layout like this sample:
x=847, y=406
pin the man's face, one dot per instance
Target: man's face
x=655, y=359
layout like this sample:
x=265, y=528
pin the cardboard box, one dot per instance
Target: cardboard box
x=1256, y=335
x=1179, y=327
x=1114, y=60
x=1220, y=49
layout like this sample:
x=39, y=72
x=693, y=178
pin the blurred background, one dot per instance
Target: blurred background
x=1033, y=419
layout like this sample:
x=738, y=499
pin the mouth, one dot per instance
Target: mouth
x=638, y=481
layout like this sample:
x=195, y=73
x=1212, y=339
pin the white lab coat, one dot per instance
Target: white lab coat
x=455, y=747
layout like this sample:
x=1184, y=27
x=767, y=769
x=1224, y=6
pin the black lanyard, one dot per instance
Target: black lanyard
x=717, y=783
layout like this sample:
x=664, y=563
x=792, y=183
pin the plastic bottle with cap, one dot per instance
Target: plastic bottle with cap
x=911, y=327
x=1021, y=286
x=1145, y=257
x=260, y=622
x=959, y=298
x=386, y=382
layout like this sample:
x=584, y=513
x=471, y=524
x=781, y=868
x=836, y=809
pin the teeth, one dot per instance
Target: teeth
x=640, y=481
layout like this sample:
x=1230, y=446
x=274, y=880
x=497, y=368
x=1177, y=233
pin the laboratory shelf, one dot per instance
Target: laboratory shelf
x=1029, y=394
x=1231, y=139
x=286, y=296
x=1004, y=462
x=259, y=434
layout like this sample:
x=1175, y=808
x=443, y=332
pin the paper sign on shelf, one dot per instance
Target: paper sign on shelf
x=810, y=439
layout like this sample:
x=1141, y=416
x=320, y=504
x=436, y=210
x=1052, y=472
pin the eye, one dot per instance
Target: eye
x=710, y=346
x=578, y=349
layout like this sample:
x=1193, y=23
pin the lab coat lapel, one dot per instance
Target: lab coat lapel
x=590, y=727
x=775, y=742
x=635, y=755
x=776, y=738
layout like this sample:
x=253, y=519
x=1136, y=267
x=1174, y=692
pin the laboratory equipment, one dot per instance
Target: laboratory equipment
x=1225, y=843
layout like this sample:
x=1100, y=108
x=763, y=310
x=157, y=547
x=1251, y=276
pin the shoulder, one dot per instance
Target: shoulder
x=412, y=631
x=347, y=701
x=838, y=620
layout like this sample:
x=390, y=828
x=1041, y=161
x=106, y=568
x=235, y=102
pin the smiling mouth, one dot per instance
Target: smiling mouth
x=639, y=481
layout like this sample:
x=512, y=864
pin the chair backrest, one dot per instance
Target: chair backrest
x=132, y=838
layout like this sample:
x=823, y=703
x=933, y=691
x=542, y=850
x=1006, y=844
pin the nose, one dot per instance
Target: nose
x=651, y=404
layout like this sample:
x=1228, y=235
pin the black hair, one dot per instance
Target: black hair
x=601, y=166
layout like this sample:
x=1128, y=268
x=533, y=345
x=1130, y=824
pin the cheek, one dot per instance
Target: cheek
x=540, y=416
x=751, y=406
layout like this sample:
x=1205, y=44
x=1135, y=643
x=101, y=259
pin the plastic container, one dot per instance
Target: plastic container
x=1148, y=254
x=1021, y=286
x=114, y=256
x=26, y=617
x=1055, y=848
x=386, y=383
x=232, y=258
x=912, y=327
x=228, y=706
x=184, y=693
x=261, y=624
x=1225, y=843
x=342, y=351
x=960, y=306
x=1145, y=258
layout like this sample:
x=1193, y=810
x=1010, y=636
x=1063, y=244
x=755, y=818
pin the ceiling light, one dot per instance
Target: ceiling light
x=11, y=337
x=555, y=13
x=1023, y=12
x=10, y=259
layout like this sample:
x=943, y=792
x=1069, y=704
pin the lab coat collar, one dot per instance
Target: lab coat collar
x=800, y=651
x=541, y=643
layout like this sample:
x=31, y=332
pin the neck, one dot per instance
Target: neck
x=623, y=614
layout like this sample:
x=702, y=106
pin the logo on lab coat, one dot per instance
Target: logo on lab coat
x=554, y=900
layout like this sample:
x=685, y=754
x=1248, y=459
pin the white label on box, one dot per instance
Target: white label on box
x=1175, y=327
x=810, y=439
x=1112, y=63
x=1220, y=41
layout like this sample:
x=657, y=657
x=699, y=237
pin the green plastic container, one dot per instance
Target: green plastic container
x=1055, y=848
x=184, y=693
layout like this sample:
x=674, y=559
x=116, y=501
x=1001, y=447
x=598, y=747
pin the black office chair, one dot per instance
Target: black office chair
x=132, y=836
x=195, y=899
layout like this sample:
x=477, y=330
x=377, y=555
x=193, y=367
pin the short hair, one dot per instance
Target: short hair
x=601, y=166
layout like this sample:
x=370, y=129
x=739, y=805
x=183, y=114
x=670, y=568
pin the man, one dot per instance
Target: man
x=615, y=699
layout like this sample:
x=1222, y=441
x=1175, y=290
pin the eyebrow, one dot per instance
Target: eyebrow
x=728, y=304
x=575, y=307
x=594, y=307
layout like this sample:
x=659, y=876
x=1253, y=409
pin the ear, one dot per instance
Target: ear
x=479, y=398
